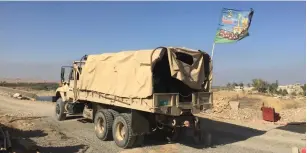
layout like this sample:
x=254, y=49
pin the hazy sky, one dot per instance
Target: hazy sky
x=36, y=38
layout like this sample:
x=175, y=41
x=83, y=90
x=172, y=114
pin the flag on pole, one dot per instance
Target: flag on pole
x=233, y=26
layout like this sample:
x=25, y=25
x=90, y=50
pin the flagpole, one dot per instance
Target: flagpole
x=211, y=73
x=213, y=46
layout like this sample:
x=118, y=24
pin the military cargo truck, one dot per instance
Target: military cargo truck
x=129, y=94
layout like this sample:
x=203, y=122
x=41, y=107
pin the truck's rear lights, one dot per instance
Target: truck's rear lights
x=174, y=122
x=186, y=123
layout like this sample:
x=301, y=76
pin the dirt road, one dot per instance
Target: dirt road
x=36, y=121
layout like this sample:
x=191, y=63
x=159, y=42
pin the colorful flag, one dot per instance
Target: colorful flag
x=233, y=26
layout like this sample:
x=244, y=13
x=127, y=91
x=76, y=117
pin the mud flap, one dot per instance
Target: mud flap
x=140, y=124
x=201, y=137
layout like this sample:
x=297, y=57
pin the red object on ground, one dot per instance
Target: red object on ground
x=303, y=150
x=268, y=114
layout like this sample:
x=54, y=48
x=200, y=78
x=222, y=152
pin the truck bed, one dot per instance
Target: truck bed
x=162, y=103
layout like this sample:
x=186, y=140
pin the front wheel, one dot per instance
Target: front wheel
x=103, y=124
x=60, y=110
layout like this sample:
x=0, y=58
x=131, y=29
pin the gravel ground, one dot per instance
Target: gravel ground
x=36, y=122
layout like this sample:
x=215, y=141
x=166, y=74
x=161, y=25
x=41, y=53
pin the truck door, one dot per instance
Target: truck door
x=76, y=73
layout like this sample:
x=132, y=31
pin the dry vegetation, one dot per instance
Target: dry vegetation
x=31, y=86
x=38, y=88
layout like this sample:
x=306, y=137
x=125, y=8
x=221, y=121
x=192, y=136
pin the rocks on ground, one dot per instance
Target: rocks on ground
x=4, y=94
x=31, y=133
x=249, y=107
x=21, y=97
x=293, y=115
x=220, y=104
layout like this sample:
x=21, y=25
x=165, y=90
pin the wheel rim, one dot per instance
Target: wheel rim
x=99, y=126
x=57, y=109
x=120, y=131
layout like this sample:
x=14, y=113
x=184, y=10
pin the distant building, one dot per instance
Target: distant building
x=244, y=88
x=292, y=88
x=248, y=88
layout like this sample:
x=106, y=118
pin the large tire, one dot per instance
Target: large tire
x=60, y=110
x=114, y=113
x=103, y=125
x=122, y=132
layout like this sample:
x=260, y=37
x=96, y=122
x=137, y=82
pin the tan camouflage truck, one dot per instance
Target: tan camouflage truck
x=133, y=93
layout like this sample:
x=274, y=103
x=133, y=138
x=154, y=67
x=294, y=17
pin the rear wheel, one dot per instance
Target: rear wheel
x=113, y=112
x=60, y=110
x=122, y=132
x=103, y=125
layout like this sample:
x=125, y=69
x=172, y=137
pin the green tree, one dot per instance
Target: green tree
x=279, y=91
x=304, y=89
x=293, y=94
x=284, y=92
x=234, y=84
x=260, y=85
x=273, y=87
x=229, y=86
x=248, y=85
x=241, y=84
x=2, y=83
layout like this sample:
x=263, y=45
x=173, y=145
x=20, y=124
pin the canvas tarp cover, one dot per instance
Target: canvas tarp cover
x=128, y=73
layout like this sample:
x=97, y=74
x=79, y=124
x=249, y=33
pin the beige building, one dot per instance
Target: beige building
x=244, y=88
x=292, y=88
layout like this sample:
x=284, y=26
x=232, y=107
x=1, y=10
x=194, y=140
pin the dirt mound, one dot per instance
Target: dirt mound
x=293, y=115
x=30, y=133
x=222, y=98
x=290, y=110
